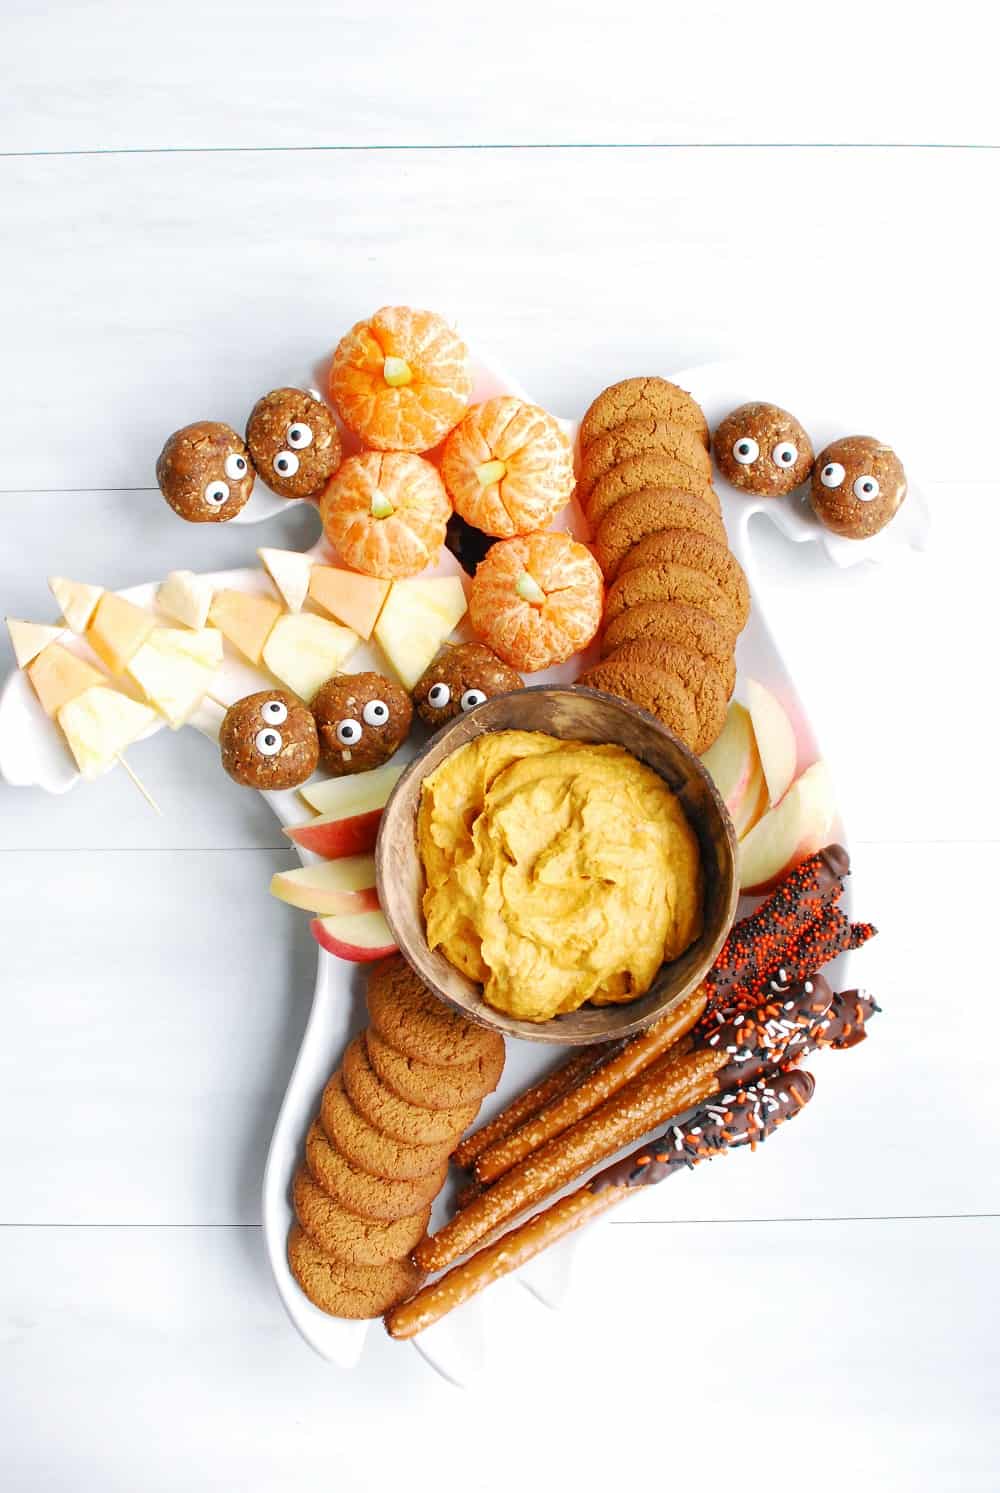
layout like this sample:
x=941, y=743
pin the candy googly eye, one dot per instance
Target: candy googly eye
x=298, y=435
x=286, y=463
x=866, y=488
x=832, y=474
x=349, y=732
x=746, y=450
x=235, y=466
x=438, y=696
x=216, y=493
x=268, y=742
x=375, y=713
x=785, y=455
x=472, y=698
x=275, y=712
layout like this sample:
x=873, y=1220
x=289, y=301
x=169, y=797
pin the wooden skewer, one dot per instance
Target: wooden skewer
x=139, y=784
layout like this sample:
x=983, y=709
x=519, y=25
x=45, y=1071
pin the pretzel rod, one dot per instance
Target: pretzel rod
x=735, y=1052
x=746, y=1118
x=529, y=1103
x=667, y=1034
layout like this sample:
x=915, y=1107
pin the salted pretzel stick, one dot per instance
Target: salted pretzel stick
x=528, y=1103
x=732, y=1053
x=667, y=1034
x=746, y=1118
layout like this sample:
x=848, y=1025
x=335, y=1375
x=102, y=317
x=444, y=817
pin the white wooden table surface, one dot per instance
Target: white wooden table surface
x=196, y=201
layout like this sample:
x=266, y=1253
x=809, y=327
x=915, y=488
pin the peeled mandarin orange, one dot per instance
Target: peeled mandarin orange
x=536, y=600
x=385, y=513
x=401, y=380
x=508, y=467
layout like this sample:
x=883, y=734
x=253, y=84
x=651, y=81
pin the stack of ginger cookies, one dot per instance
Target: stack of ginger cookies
x=677, y=598
x=377, y=1154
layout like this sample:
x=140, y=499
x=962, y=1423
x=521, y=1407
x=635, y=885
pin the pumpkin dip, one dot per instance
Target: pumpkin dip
x=557, y=872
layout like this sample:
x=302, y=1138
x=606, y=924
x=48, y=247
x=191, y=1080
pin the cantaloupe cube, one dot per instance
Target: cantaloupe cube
x=304, y=650
x=99, y=724
x=77, y=601
x=29, y=638
x=118, y=630
x=289, y=570
x=174, y=669
x=58, y=676
x=245, y=620
x=417, y=618
x=356, y=600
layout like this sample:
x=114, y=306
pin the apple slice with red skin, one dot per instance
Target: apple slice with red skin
x=733, y=761
x=775, y=736
x=753, y=805
x=341, y=886
x=359, y=937
x=795, y=828
x=333, y=835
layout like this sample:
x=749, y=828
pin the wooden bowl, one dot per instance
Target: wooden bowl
x=573, y=714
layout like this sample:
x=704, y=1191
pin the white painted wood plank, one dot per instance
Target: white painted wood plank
x=142, y=292
x=154, y=1005
x=243, y=75
x=861, y=1355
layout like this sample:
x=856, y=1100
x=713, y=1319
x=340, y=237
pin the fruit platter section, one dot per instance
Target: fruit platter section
x=471, y=549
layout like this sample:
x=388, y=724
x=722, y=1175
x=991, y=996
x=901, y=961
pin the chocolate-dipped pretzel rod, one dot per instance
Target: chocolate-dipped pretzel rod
x=733, y=1053
x=746, y=1117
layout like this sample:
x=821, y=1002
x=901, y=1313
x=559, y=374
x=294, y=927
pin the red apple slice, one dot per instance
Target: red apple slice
x=775, y=739
x=359, y=937
x=753, y=804
x=795, y=828
x=333, y=836
x=343, y=886
x=357, y=793
x=733, y=761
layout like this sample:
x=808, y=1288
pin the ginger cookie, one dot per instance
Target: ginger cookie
x=675, y=622
x=648, y=398
x=701, y=678
x=649, y=469
x=357, y=1241
x=652, y=689
x=419, y=1025
x=370, y=1149
x=428, y=1085
x=394, y=1116
x=633, y=439
x=646, y=512
x=357, y=1291
x=358, y=1191
x=684, y=547
x=670, y=582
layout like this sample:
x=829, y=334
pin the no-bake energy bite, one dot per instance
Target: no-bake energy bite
x=205, y=473
x=459, y=679
x=857, y=486
x=294, y=442
x=762, y=449
x=268, y=740
x=362, y=720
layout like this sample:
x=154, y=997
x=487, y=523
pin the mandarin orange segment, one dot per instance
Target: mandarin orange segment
x=385, y=513
x=401, y=380
x=508, y=467
x=504, y=606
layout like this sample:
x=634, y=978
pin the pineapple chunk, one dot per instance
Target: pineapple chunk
x=118, y=630
x=304, y=650
x=77, y=601
x=28, y=639
x=186, y=597
x=289, y=570
x=245, y=620
x=416, y=619
x=174, y=669
x=58, y=676
x=353, y=599
x=99, y=724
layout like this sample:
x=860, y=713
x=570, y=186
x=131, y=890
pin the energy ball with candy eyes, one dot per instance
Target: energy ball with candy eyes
x=857, y=486
x=269, y=740
x=205, y=473
x=362, y=720
x=459, y=679
x=762, y=449
x=294, y=442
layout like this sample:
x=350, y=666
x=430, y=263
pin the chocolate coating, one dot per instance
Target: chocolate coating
x=294, y=442
x=840, y=503
x=191, y=472
x=772, y=429
x=262, y=749
x=339, y=709
x=459, y=669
